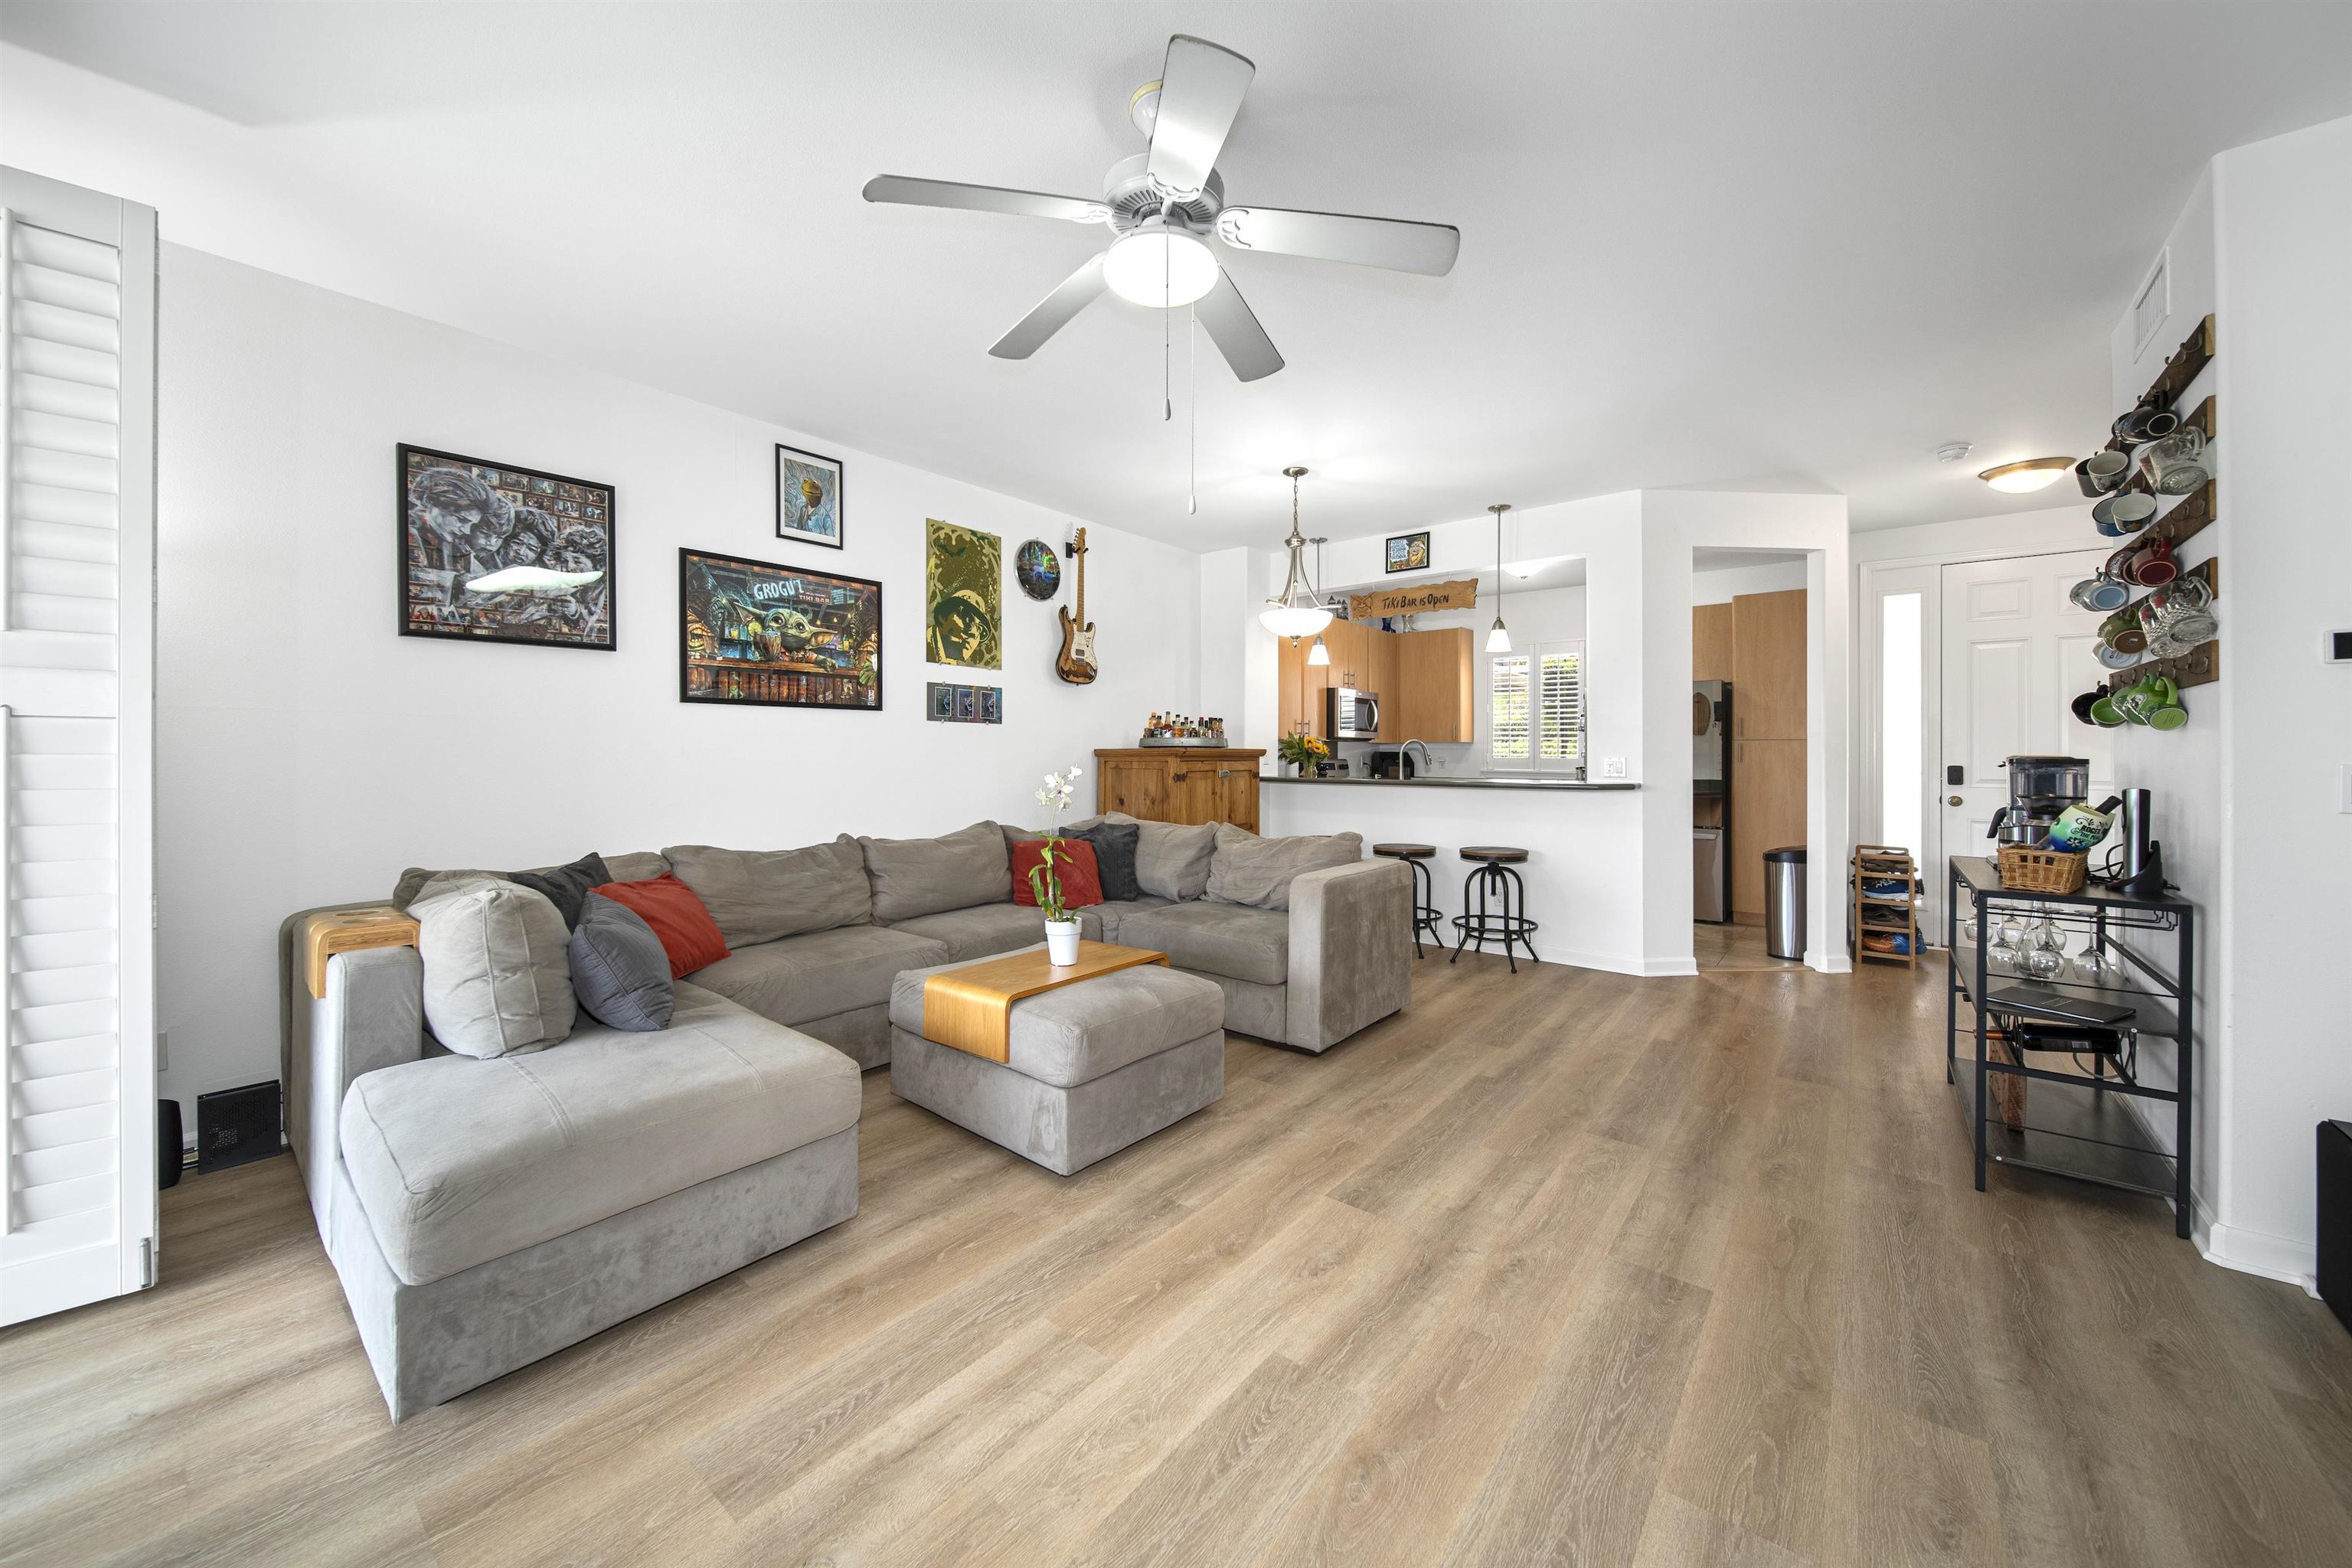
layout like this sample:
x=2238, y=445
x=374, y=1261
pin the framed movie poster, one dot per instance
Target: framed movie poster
x=489, y=553
x=808, y=498
x=755, y=634
x=1409, y=553
x=964, y=602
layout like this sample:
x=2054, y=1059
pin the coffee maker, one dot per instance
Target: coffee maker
x=2039, y=789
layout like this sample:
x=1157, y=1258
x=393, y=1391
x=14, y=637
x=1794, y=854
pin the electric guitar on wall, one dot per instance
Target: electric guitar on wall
x=1076, y=662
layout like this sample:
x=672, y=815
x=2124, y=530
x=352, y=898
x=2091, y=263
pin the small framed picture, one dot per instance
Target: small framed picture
x=808, y=498
x=1409, y=553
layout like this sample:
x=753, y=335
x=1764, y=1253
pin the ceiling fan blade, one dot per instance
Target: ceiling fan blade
x=1397, y=244
x=1073, y=294
x=899, y=189
x=1200, y=89
x=1235, y=330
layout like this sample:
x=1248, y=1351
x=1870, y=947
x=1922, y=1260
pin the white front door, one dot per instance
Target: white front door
x=77, y=745
x=2016, y=653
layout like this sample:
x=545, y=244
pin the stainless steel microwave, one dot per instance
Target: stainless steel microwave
x=1351, y=715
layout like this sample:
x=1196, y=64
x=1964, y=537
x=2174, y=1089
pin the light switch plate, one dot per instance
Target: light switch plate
x=1613, y=768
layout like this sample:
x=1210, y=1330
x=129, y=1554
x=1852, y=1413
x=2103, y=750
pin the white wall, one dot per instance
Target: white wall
x=306, y=752
x=2282, y=215
x=1725, y=583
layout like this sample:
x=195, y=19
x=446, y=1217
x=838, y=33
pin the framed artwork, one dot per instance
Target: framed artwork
x=808, y=498
x=963, y=597
x=489, y=553
x=949, y=704
x=1037, y=570
x=1409, y=553
x=755, y=634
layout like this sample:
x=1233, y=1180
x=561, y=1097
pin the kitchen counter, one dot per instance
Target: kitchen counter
x=1466, y=781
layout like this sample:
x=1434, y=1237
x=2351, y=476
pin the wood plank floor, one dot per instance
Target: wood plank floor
x=1559, y=1267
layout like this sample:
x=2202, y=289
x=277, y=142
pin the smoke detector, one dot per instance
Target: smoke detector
x=1953, y=451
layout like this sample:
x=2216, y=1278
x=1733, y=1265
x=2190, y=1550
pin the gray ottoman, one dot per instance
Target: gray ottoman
x=1092, y=1068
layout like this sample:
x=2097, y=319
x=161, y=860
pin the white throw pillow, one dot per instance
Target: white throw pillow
x=498, y=971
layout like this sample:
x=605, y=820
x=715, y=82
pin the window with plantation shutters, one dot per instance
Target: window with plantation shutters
x=1507, y=727
x=76, y=697
x=1535, y=703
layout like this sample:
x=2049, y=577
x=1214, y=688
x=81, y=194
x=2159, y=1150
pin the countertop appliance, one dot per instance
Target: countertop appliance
x=2040, y=788
x=1711, y=734
x=1390, y=762
x=1351, y=715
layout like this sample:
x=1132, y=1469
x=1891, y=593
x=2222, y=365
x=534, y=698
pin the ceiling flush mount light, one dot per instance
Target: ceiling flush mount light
x=1498, y=640
x=2033, y=474
x=1160, y=264
x=1298, y=613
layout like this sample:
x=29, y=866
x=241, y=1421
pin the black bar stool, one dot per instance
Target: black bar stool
x=1424, y=890
x=1491, y=877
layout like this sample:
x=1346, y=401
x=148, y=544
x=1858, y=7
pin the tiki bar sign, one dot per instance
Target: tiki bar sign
x=1414, y=600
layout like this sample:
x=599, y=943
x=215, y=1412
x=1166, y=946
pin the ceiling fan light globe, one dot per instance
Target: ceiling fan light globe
x=1159, y=267
x=1294, y=620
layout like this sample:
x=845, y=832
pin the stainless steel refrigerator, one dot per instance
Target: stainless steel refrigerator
x=1711, y=780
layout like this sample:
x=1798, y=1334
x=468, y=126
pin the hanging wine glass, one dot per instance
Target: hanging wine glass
x=2041, y=963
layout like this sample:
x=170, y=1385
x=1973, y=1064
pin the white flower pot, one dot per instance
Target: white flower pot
x=1061, y=941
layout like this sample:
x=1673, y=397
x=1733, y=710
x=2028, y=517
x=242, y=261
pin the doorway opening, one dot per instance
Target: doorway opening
x=1748, y=726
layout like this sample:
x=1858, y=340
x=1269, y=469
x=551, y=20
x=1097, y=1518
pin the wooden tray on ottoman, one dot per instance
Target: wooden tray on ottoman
x=970, y=1008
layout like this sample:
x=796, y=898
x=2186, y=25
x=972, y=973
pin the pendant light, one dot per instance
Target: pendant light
x=1319, y=654
x=1499, y=640
x=1298, y=613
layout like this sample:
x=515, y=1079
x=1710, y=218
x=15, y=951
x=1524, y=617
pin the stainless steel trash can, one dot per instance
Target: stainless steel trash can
x=1784, y=903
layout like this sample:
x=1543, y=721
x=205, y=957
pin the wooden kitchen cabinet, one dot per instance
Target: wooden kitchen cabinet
x=1436, y=693
x=1768, y=812
x=1711, y=643
x=1767, y=667
x=1189, y=784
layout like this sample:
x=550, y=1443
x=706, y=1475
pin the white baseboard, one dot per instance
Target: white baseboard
x=1837, y=961
x=2257, y=1252
x=1615, y=964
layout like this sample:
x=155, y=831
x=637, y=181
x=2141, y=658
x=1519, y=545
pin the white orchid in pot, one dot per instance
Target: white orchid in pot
x=1046, y=880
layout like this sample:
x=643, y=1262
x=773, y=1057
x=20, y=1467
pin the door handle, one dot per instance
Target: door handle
x=1951, y=800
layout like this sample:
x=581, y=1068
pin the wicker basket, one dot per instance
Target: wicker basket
x=2042, y=870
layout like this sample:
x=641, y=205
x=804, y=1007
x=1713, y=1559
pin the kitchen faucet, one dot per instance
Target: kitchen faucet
x=1405, y=750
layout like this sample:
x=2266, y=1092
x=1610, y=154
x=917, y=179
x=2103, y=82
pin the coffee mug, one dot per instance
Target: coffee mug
x=2146, y=421
x=2124, y=513
x=2123, y=632
x=2114, y=658
x=2106, y=714
x=2179, y=463
x=2140, y=702
x=2149, y=563
x=2102, y=472
x=2099, y=594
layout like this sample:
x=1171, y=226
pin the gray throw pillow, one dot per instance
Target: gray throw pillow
x=763, y=895
x=498, y=973
x=566, y=886
x=1171, y=861
x=638, y=867
x=1248, y=869
x=618, y=968
x=1114, y=848
x=929, y=876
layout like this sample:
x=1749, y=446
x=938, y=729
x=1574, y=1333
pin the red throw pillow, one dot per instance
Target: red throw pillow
x=688, y=936
x=1074, y=861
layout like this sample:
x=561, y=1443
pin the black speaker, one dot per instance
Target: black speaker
x=168, y=1152
x=236, y=1126
x=2335, y=1219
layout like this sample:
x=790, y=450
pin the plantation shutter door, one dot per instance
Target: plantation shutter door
x=1507, y=726
x=77, y=743
x=1560, y=701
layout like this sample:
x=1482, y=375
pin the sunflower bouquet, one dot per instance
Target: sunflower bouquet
x=1305, y=751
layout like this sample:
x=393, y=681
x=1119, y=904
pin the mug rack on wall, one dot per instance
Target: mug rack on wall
x=2201, y=665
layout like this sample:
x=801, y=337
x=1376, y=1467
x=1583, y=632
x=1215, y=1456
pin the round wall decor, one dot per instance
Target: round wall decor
x=1038, y=569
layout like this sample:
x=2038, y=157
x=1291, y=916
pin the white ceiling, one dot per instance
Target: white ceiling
x=1775, y=247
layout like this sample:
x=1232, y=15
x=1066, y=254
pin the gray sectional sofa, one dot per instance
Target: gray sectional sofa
x=486, y=1211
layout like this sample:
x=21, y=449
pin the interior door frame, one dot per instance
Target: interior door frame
x=1871, y=581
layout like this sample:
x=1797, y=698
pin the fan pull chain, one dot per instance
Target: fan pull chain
x=1192, y=410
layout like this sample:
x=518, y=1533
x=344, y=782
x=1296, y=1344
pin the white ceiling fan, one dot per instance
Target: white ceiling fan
x=1164, y=204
